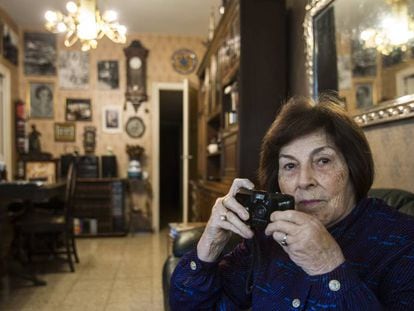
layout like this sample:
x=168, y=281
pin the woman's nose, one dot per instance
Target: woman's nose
x=306, y=177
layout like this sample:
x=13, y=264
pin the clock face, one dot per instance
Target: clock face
x=135, y=127
x=135, y=62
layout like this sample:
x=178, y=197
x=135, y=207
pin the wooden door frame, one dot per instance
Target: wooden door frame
x=7, y=117
x=156, y=89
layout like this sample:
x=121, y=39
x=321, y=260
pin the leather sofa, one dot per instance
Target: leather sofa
x=187, y=240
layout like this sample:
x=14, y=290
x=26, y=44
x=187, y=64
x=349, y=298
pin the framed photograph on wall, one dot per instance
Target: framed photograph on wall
x=78, y=109
x=73, y=69
x=44, y=171
x=40, y=99
x=405, y=81
x=364, y=94
x=65, y=132
x=108, y=75
x=10, y=44
x=39, y=53
x=112, y=119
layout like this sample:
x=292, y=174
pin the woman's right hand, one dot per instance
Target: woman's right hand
x=227, y=216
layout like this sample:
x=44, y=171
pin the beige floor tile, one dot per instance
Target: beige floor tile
x=113, y=274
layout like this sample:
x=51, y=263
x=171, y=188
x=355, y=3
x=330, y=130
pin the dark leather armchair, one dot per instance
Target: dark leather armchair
x=187, y=240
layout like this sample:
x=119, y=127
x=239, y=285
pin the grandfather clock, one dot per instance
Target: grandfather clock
x=136, y=68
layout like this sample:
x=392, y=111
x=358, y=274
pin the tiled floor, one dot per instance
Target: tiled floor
x=114, y=274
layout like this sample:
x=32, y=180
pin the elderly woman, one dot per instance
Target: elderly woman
x=337, y=249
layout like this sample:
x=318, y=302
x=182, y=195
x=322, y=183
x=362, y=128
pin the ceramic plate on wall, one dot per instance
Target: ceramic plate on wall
x=184, y=61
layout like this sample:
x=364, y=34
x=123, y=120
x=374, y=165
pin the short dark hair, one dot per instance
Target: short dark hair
x=41, y=88
x=301, y=116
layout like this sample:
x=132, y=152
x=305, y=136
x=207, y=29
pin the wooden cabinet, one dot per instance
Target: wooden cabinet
x=243, y=81
x=100, y=206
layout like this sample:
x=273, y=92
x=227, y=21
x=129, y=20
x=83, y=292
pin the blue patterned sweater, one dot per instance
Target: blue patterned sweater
x=378, y=274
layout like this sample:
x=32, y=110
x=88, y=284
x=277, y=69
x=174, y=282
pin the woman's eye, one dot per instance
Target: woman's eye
x=323, y=161
x=289, y=166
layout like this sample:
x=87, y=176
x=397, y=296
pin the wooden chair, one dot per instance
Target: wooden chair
x=53, y=225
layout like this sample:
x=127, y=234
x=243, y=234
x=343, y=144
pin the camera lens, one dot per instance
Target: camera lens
x=260, y=211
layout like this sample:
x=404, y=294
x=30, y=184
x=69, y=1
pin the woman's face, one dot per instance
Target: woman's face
x=314, y=171
x=44, y=95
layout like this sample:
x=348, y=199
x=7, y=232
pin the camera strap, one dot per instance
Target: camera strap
x=254, y=248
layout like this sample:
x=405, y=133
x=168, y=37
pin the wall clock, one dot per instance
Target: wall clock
x=136, y=69
x=184, y=61
x=135, y=127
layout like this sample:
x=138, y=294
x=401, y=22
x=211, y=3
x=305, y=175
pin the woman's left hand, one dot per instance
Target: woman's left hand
x=308, y=243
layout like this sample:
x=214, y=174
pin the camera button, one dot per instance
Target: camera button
x=296, y=303
x=193, y=265
x=334, y=285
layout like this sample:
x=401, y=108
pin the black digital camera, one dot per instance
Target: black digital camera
x=260, y=204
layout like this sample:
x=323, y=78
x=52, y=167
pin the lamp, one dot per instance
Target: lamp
x=396, y=30
x=85, y=23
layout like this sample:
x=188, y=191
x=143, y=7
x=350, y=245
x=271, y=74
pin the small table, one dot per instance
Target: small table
x=28, y=192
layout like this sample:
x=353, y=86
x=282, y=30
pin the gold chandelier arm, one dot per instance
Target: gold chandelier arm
x=70, y=38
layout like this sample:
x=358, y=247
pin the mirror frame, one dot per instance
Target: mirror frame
x=387, y=111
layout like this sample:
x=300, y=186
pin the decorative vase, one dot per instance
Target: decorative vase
x=134, y=170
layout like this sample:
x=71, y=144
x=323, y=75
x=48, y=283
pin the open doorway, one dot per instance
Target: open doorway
x=171, y=145
x=178, y=102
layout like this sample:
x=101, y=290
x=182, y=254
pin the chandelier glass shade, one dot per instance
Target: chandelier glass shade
x=85, y=23
x=396, y=30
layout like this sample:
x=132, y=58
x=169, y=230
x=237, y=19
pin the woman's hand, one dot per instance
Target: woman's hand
x=227, y=216
x=308, y=243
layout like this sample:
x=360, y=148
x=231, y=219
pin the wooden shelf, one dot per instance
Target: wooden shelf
x=231, y=74
x=238, y=117
x=101, y=200
x=215, y=154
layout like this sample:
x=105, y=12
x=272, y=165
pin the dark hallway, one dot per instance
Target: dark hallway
x=170, y=157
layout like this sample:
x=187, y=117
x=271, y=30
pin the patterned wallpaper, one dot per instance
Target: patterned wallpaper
x=159, y=69
x=393, y=149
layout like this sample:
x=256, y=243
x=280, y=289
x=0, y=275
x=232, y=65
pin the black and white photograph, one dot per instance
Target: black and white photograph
x=364, y=95
x=40, y=99
x=108, y=75
x=405, y=81
x=73, y=69
x=364, y=60
x=10, y=44
x=39, y=54
x=344, y=72
x=111, y=119
x=78, y=109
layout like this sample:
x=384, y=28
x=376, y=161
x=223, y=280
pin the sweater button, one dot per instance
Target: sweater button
x=296, y=303
x=334, y=285
x=193, y=265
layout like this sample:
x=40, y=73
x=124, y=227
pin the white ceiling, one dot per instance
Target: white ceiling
x=184, y=17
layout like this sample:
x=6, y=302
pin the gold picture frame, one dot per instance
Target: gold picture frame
x=44, y=171
x=65, y=132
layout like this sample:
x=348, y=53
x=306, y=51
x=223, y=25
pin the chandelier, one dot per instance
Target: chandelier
x=396, y=30
x=85, y=23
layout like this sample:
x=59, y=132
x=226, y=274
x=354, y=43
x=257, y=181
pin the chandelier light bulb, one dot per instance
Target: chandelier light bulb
x=71, y=7
x=61, y=27
x=51, y=16
x=122, y=30
x=110, y=16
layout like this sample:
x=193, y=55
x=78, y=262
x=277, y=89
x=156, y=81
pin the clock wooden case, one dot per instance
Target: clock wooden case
x=136, y=69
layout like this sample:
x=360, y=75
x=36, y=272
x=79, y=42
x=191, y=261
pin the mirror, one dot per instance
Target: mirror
x=364, y=51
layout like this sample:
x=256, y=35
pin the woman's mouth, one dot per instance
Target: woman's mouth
x=309, y=203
